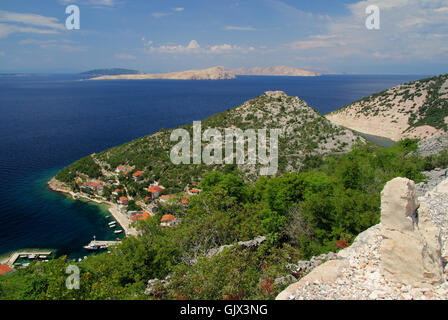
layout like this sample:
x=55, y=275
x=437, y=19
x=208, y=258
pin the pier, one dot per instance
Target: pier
x=103, y=243
x=14, y=256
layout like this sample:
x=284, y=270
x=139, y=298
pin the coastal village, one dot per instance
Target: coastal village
x=126, y=207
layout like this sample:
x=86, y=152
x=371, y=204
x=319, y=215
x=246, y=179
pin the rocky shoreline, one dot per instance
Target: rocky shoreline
x=113, y=208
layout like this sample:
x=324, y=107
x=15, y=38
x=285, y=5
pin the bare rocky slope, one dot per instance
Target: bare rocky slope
x=275, y=71
x=214, y=73
x=413, y=110
x=404, y=257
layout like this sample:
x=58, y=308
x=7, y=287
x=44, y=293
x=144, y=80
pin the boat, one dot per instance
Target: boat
x=112, y=226
x=118, y=231
x=91, y=247
x=113, y=222
x=32, y=256
x=25, y=265
x=23, y=256
x=42, y=257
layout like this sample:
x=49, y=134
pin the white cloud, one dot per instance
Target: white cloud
x=31, y=19
x=95, y=3
x=12, y=22
x=125, y=56
x=236, y=28
x=194, y=47
x=6, y=30
x=158, y=15
x=410, y=30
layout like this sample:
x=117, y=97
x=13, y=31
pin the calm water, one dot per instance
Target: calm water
x=48, y=122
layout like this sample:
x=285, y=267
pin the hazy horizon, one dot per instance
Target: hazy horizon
x=165, y=36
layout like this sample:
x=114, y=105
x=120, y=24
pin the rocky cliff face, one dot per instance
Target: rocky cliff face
x=413, y=110
x=403, y=257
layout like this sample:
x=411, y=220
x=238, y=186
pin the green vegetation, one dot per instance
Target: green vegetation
x=301, y=214
x=85, y=166
x=305, y=134
x=431, y=109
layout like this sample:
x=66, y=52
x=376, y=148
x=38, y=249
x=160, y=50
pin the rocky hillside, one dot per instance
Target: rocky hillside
x=275, y=71
x=404, y=257
x=413, y=110
x=304, y=133
x=215, y=73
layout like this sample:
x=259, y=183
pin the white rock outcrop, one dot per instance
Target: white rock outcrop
x=410, y=250
x=405, y=257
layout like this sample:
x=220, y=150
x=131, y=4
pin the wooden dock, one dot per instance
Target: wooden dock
x=13, y=257
x=103, y=243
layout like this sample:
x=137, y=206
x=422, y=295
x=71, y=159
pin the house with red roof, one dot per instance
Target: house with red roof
x=137, y=175
x=5, y=269
x=120, y=169
x=123, y=201
x=194, y=191
x=164, y=198
x=168, y=221
x=155, y=190
x=141, y=216
x=117, y=191
x=93, y=186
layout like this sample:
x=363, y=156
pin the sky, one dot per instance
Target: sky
x=327, y=36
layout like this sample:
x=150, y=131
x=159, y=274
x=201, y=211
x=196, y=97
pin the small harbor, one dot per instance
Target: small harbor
x=24, y=258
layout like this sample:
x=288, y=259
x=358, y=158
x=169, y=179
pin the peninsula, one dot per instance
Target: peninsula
x=214, y=73
x=110, y=72
x=417, y=109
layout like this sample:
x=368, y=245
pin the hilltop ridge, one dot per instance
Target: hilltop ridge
x=304, y=134
x=417, y=109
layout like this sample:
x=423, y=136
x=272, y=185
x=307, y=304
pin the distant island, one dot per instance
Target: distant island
x=275, y=71
x=110, y=72
x=214, y=73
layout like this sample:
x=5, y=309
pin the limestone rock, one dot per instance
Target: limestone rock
x=325, y=273
x=408, y=255
x=442, y=187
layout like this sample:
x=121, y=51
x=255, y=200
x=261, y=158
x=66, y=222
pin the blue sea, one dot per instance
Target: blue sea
x=49, y=121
